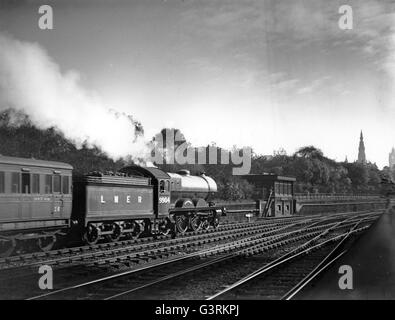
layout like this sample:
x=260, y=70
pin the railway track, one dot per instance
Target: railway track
x=15, y=278
x=284, y=277
x=103, y=253
x=68, y=255
x=144, y=280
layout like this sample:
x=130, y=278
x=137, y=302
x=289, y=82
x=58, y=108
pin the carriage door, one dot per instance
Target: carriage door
x=25, y=207
x=66, y=194
x=58, y=201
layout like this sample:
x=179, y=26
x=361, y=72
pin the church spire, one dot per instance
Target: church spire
x=361, y=150
x=392, y=159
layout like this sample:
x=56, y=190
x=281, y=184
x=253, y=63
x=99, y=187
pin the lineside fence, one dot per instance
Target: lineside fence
x=334, y=196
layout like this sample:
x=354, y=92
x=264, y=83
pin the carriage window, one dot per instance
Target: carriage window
x=65, y=185
x=56, y=183
x=277, y=187
x=162, y=186
x=2, y=186
x=48, y=183
x=35, y=183
x=25, y=182
x=15, y=183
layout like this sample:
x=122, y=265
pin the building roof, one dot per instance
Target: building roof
x=34, y=163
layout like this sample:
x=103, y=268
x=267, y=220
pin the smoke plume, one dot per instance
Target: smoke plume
x=31, y=82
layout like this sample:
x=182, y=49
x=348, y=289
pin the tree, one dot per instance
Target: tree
x=358, y=174
x=235, y=188
x=310, y=152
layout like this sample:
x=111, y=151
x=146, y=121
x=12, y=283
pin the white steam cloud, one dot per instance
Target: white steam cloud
x=30, y=81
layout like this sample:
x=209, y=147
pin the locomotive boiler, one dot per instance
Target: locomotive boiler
x=185, y=185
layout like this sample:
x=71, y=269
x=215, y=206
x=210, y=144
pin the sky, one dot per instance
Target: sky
x=268, y=74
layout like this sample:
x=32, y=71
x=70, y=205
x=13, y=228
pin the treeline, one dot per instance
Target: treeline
x=314, y=172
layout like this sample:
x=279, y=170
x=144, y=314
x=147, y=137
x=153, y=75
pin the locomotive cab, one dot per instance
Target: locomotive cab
x=161, y=195
x=161, y=184
x=163, y=190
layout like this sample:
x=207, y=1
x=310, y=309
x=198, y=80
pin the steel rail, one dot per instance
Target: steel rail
x=200, y=253
x=323, y=265
x=119, y=275
x=220, y=249
x=275, y=230
x=103, y=247
x=141, y=246
x=183, y=272
x=24, y=259
x=297, y=252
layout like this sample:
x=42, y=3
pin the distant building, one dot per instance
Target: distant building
x=361, y=150
x=391, y=159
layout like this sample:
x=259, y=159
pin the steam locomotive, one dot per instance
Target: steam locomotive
x=41, y=201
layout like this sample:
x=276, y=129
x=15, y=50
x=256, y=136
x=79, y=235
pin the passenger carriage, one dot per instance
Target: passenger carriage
x=35, y=202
